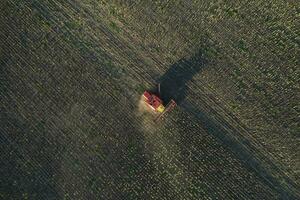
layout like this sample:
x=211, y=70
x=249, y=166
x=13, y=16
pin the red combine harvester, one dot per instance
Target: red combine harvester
x=156, y=104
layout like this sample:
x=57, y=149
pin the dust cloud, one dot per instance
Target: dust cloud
x=146, y=115
x=143, y=108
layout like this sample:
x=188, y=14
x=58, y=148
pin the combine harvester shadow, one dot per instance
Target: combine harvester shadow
x=174, y=85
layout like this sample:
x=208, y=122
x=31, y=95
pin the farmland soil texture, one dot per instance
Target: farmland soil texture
x=74, y=126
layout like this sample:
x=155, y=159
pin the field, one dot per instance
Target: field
x=72, y=74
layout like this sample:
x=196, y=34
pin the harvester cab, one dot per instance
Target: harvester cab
x=156, y=104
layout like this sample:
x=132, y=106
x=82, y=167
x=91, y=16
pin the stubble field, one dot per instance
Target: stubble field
x=72, y=73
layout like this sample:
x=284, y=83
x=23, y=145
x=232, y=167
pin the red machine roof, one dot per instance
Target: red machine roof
x=153, y=100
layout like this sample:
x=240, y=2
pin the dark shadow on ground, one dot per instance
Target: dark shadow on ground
x=174, y=81
x=244, y=152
